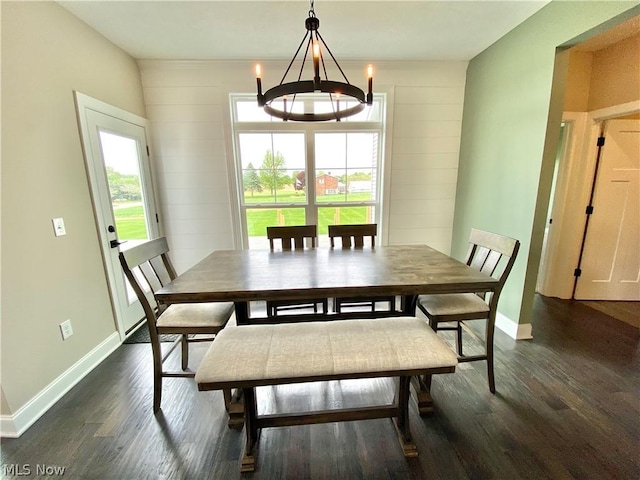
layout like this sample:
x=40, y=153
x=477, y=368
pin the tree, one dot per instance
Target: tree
x=273, y=174
x=251, y=180
x=123, y=187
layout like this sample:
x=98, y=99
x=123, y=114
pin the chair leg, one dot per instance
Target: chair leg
x=459, y=338
x=157, y=391
x=185, y=352
x=489, y=351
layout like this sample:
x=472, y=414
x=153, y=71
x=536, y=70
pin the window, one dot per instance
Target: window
x=292, y=173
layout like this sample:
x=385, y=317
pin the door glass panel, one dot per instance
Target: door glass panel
x=120, y=155
x=258, y=219
x=121, y=161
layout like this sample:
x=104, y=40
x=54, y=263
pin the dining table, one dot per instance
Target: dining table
x=246, y=276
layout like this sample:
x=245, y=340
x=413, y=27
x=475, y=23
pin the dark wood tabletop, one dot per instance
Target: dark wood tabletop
x=250, y=275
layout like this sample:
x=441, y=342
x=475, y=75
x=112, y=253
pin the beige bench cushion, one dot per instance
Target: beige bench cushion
x=307, y=351
x=214, y=314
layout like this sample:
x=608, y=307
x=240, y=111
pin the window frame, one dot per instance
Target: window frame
x=309, y=130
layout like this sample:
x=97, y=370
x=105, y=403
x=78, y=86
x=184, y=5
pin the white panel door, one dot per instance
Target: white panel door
x=115, y=144
x=611, y=259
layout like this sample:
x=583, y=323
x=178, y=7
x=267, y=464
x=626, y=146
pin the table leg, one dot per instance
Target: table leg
x=408, y=305
x=402, y=422
x=251, y=428
x=422, y=387
x=242, y=313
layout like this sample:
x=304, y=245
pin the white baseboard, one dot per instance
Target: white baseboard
x=517, y=331
x=12, y=426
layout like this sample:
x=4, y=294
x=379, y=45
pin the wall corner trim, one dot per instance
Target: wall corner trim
x=12, y=426
x=517, y=331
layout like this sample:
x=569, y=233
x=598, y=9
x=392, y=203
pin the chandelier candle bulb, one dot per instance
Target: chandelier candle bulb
x=259, y=82
x=370, y=92
x=316, y=66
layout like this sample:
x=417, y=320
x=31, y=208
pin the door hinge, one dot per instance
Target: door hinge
x=550, y=221
x=577, y=272
x=589, y=209
x=148, y=154
x=600, y=142
x=157, y=218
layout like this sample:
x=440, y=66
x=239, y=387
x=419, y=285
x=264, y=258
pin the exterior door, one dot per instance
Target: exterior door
x=611, y=259
x=115, y=144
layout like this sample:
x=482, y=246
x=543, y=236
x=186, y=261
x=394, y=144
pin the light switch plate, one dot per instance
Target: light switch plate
x=58, y=227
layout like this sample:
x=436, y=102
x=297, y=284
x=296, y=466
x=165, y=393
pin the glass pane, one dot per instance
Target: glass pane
x=247, y=109
x=121, y=161
x=342, y=215
x=346, y=167
x=273, y=168
x=371, y=113
x=250, y=111
x=258, y=219
x=120, y=155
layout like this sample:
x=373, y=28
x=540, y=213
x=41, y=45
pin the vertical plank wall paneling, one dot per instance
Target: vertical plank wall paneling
x=188, y=107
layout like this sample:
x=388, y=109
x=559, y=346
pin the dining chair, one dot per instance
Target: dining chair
x=355, y=236
x=293, y=238
x=494, y=255
x=148, y=268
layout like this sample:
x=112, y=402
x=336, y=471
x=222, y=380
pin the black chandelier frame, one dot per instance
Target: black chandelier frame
x=335, y=89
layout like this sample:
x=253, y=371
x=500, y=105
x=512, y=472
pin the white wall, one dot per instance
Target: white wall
x=187, y=104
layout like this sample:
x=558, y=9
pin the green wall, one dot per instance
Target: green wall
x=511, y=122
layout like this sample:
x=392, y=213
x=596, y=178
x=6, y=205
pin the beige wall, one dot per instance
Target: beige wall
x=606, y=77
x=576, y=97
x=47, y=54
x=615, y=75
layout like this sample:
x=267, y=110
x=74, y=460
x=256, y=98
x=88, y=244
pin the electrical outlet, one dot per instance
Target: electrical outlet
x=65, y=329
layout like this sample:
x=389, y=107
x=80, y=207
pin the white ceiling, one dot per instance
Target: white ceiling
x=272, y=30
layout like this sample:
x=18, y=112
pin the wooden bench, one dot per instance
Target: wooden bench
x=250, y=356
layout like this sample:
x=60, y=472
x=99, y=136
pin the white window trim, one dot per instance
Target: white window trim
x=309, y=129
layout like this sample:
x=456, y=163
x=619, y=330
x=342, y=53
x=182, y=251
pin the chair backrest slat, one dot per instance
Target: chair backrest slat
x=148, y=261
x=353, y=235
x=487, y=249
x=292, y=237
x=160, y=268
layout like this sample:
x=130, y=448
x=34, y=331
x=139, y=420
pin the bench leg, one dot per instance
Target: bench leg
x=251, y=428
x=402, y=422
x=233, y=404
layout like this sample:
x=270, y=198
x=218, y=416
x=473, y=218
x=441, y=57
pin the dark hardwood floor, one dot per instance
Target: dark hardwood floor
x=567, y=407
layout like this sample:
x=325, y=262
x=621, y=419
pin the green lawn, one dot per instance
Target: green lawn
x=259, y=220
x=130, y=223
x=290, y=196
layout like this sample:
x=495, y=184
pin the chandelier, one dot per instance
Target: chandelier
x=335, y=89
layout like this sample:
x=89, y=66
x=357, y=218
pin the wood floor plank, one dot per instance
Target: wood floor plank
x=567, y=407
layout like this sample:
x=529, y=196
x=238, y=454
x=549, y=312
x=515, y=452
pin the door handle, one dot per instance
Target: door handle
x=115, y=243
